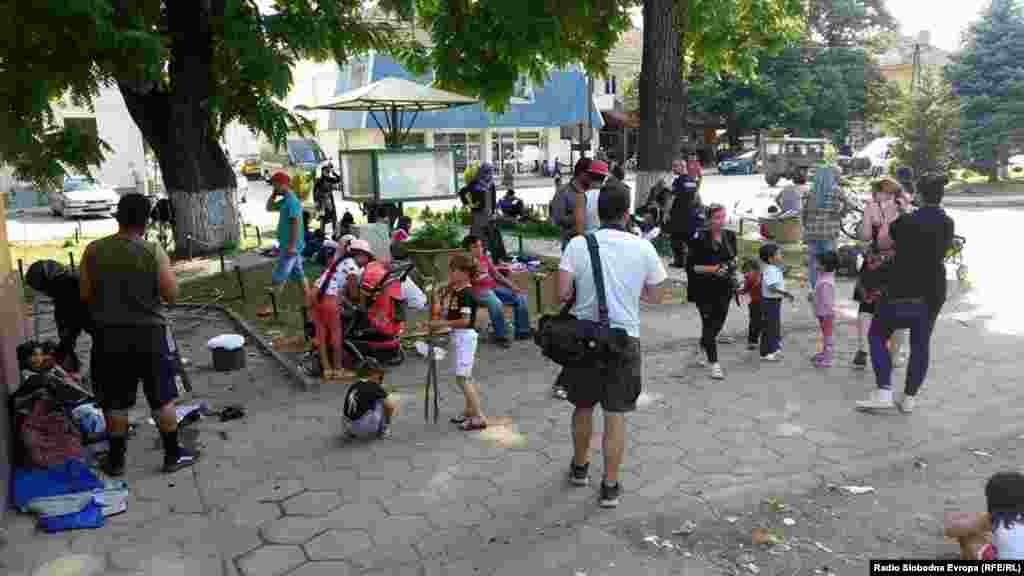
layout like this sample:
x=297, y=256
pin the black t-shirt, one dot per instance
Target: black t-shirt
x=705, y=252
x=361, y=397
x=461, y=305
x=920, y=240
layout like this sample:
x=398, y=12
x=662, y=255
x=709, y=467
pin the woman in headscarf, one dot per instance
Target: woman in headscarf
x=822, y=214
x=480, y=195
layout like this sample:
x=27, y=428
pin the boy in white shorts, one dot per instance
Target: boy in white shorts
x=458, y=306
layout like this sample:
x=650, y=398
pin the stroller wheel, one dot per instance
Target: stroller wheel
x=369, y=364
x=397, y=359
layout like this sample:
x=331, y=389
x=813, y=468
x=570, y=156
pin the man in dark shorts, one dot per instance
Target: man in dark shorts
x=125, y=281
x=632, y=271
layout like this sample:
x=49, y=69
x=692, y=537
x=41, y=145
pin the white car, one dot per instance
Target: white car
x=83, y=196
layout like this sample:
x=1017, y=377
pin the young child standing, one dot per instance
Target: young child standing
x=773, y=290
x=456, y=309
x=323, y=301
x=752, y=287
x=824, y=302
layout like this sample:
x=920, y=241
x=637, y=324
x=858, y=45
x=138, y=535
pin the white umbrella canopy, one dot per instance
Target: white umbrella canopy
x=394, y=97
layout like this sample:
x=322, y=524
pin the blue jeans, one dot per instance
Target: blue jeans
x=495, y=299
x=814, y=249
x=892, y=316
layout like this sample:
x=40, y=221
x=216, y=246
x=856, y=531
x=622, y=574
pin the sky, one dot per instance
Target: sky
x=944, y=20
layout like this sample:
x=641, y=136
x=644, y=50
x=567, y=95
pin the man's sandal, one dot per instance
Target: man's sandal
x=472, y=424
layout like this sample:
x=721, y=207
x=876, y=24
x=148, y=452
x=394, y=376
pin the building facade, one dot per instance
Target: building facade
x=526, y=137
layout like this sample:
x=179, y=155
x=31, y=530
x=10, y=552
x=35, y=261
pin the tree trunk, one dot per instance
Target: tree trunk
x=177, y=125
x=662, y=92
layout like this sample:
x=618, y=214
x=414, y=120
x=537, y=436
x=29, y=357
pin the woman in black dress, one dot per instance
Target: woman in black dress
x=711, y=283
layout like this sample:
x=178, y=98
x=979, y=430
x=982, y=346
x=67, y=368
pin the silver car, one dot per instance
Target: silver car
x=83, y=196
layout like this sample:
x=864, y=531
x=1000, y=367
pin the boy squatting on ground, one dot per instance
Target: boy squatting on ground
x=369, y=409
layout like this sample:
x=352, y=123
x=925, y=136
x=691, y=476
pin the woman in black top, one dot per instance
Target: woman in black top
x=710, y=271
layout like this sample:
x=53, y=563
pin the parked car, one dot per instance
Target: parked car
x=83, y=196
x=745, y=163
x=252, y=167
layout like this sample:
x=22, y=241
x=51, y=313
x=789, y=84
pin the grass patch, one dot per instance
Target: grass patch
x=62, y=251
x=223, y=289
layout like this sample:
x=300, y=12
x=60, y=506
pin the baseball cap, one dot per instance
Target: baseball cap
x=346, y=238
x=358, y=244
x=599, y=168
x=280, y=178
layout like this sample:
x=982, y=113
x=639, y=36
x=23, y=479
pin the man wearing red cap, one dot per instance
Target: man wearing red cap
x=587, y=174
x=289, y=234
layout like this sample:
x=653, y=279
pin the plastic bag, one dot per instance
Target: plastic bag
x=91, y=516
x=226, y=342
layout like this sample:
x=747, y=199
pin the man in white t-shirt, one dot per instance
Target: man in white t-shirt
x=632, y=271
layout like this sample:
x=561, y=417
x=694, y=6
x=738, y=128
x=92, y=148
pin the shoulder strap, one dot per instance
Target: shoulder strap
x=327, y=279
x=595, y=265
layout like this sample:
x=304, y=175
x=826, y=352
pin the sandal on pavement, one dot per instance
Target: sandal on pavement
x=460, y=419
x=472, y=424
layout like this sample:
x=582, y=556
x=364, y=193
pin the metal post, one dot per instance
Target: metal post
x=71, y=258
x=241, y=282
x=221, y=260
x=273, y=302
x=259, y=238
x=522, y=253
x=21, y=272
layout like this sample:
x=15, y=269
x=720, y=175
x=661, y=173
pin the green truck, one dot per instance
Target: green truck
x=783, y=157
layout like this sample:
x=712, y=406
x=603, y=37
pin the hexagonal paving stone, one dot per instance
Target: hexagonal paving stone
x=275, y=490
x=251, y=513
x=293, y=529
x=313, y=503
x=271, y=560
x=324, y=569
x=338, y=544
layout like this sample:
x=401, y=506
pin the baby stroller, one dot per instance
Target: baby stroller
x=372, y=322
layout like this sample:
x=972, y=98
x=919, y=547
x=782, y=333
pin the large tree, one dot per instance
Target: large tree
x=718, y=36
x=987, y=76
x=188, y=68
x=848, y=23
x=926, y=123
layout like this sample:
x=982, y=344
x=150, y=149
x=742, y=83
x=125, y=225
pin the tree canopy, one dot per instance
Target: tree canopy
x=926, y=124
x=987, y=75
x=848, y=23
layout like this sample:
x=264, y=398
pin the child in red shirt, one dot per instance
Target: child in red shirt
x=752, y=286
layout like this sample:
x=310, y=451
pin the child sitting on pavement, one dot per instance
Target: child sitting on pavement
x=323, y=301
x=824, y=303
x=369, y=409
x=752, y=287
x=999, y=533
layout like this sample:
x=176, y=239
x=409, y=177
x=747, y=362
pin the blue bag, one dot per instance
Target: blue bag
x=91, y=516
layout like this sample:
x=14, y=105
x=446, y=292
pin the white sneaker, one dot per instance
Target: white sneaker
x=773, y=357
x=716, y=372
x=907, y=404
x=901, y=361
x=880, y=400
x=699, y=359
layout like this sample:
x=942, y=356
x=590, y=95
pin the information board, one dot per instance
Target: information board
x=398, y=175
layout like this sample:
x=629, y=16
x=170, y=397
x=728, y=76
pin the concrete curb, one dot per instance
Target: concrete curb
x=263, y=345
x=968, y=202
